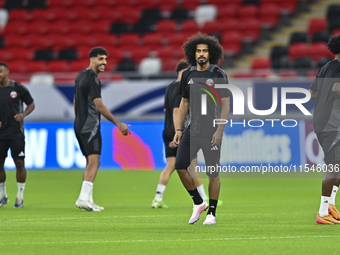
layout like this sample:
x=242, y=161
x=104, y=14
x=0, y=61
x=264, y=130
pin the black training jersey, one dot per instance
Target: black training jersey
x=12, y=98
x=172, y=100
x=326, y=115
x=199, y=87
x=87, y=88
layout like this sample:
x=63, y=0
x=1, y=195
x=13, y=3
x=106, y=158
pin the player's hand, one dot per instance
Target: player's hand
x=124, y=128
x=217, y=138
x=19, y=117
x=177, y=137
x=0, y=124
x=172, y=145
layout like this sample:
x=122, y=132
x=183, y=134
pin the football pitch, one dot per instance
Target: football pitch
x=258, y=216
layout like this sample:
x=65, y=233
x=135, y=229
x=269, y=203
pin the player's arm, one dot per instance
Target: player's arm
x=74, y=104
x=182, y=112
x=336, y=90
x=20, y=116
x=108, y=115
x=175, y=118
x=217, y=137
x=314, y=95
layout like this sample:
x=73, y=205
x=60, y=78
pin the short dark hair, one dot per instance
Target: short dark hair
x=334, y=44
x=4, y=64
x=97, y=51
x=214, y=47
x=181, y=65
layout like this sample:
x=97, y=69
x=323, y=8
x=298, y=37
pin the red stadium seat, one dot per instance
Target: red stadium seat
x=153, y=40
x=190, y=4
x=287, y=6
x=59, y=42
x=81, y=27
x=166, y=26
x=16, y=28
x=227, y=11
x=317, y=25
x=312, y=73
x=5, y=55
x=298, y=50
x=83, y=52
x=104, y=13
x=81, y=3
x=100, y=27
x=36, y=66
x=39, y=42
x=86, y=14
x=269, y=15
x=288, y=74
x=167, y=6
x=242, y=75
x=336, y=32
x=146, y=4
x=128, y=15
x=79, y=65
x=211, y=27
x=260, y=63
x=16, y=41
x=231, y=24
x=129, y=39
x=137, y=54
x=107, y=40
x=84, y=40
x=21, y=54
x=178, y=39
x=165, y=53
x=189, y=26
x=248, y=12
x=63, y=14
x=58, y=27
x=17, y=15
x=103, y=3
x=59, y=3
x=221, y=3
x=319, y=50
x=17, y=66
x=250, y=29
x=37, y=27
x=169, y=65
x=41, y=15
x=231, y=42
x=58, y=66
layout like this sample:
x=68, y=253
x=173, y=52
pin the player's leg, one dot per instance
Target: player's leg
x=17, y=145
x=187, y=150
x=197, y=179
x=163, y=181
x=91, y=148
x=329, y=146
x=3, y=154
x=212, y=159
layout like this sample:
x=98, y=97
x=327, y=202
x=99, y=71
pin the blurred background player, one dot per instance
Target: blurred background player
x=12, y=96
x=326, y=121
x=88, y=108
x=203, y=53
x=171, y=103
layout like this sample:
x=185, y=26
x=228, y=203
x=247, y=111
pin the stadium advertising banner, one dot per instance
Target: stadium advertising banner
x=54, y=146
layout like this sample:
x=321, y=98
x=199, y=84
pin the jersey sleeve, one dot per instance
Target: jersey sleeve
x=184, y=89
x=314, y=86
x=25, y=95
x=94, y=87
x=223, y=92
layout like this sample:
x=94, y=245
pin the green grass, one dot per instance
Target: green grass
x=258, y=216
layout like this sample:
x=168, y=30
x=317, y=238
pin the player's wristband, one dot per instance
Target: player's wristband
x=179, y=130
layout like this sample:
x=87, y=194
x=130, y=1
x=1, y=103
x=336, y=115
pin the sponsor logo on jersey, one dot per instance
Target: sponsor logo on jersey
x=209, y=82
x=13, y=94
x=191, y=81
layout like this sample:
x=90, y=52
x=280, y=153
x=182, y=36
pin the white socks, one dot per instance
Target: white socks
x=21, y=188
x=201, y=192
x=323, y=211
x=159, y=192
x=333, y=194
x=3, y=190
x=86, y=190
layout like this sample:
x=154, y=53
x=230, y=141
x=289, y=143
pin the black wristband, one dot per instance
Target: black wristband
x=179, y=130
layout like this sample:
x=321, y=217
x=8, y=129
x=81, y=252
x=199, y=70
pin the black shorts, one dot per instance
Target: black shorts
x=330, y=143
x=16, y=143
x=169, y=152
x=90, y=144
x=188, y=148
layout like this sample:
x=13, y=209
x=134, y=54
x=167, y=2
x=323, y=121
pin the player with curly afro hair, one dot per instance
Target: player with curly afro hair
x=334, y=44
x=214, y=47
